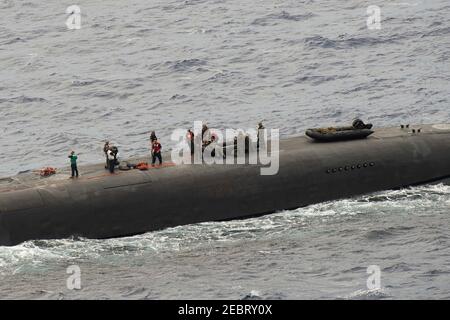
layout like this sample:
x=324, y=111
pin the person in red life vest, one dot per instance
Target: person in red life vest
x=156, y=152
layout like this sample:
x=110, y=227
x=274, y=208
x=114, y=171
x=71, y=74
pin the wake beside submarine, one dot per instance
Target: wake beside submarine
x=99, y=205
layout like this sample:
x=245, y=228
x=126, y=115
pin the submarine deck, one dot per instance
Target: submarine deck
x=32, y=179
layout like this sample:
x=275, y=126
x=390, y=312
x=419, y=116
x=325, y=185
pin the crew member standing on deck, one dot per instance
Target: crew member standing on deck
x=105, y=150
x=111, y=160
x=259, y=132
x=156, y=152
x=73, y=164
x=190, y=140
x=206, y=135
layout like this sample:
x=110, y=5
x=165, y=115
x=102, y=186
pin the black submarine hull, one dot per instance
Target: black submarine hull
x=99, y=205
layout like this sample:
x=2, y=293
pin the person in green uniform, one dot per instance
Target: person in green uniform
x=73, y=163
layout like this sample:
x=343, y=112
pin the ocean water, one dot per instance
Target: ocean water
x=136, y=66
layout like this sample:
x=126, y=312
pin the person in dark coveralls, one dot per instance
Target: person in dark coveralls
x=112, y=159
x=156, y=152
x=190, y=140
x=258, y=131
x=106, y=147
x=73, y=164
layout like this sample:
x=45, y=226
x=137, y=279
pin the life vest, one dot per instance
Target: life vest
x=156, y=148
x=142, y=166
x=47, y=171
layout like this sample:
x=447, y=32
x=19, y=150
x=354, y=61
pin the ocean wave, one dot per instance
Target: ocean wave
x=437, y=32
x=12, y=41
x=187, y=64
x=373, y=294
x=82, y=83
x=253, y=295
x=398, y=267
x=318, y=80
x=272, y=19
x=22, y=99
x=347, y=43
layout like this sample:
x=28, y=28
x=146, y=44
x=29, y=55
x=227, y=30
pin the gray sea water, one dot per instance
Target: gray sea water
x=136, y=66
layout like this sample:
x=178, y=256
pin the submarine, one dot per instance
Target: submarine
x=101, y=205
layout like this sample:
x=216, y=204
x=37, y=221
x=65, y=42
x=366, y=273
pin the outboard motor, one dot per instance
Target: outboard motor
x=359, y=124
